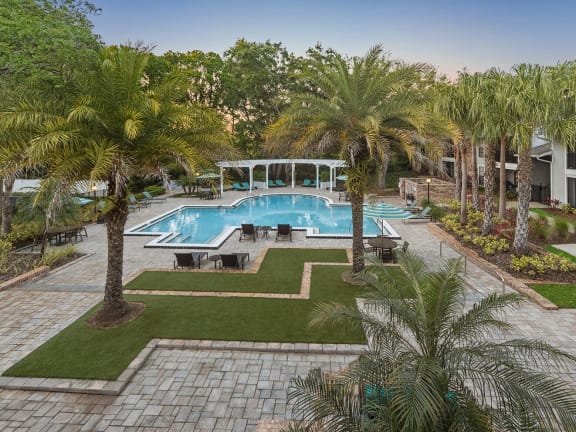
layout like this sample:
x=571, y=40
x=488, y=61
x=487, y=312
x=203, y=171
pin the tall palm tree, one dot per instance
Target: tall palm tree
x=119, y=127
x=360, y=109
x=435, y=364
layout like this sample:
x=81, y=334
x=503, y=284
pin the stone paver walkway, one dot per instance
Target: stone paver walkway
x=193, y=389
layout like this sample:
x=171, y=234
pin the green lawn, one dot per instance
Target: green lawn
x=563, y=296
x=83, y=352
x=561, y=253
x=278, y=265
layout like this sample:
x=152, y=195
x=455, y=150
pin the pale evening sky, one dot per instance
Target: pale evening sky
x=451, y=35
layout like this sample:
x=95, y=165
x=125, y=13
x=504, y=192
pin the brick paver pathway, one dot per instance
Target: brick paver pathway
x=199, y=389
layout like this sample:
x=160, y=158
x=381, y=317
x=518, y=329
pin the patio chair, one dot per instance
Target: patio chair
x=232, y=261
x=239, y=187
x=412, y=208
x=423, y=215
x=280, y=183
x=140, y=203
x=272, y=184
x=153, y=199
x=247, y=231
x=306, y=183
x=189, y=259
x=246, y=185
x=284, y=230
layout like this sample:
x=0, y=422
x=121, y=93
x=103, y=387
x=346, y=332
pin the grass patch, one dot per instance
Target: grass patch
x=561, y=253
x=543, y=212
x=280, y=264
x=563, y=296
x=83, y=352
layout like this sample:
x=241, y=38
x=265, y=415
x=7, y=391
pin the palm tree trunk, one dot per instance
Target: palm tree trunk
x=457, y=173
x=474, y=178
x=7, y=205
x=502, y=189
x=114, y=303
x=524, y=190
x=489, y=179
x=382, y=174
x=357, y=203
x=464, y=188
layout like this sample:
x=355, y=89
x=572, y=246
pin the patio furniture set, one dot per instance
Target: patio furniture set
x=250, y=231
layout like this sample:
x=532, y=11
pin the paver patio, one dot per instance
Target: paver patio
x=200, y=389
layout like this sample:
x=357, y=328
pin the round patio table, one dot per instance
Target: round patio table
x=383, y=245
x=214, y=258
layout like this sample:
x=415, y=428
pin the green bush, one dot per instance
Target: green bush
x=21, y=233
x=5, y=248
x=540, y=264
x=155, y=190
x=566, y=208
x=491, y=244
x=55, y=256
x=561, y=228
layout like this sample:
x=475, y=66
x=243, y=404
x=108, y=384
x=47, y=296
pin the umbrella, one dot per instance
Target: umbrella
x=342, y=177
x=208, y=176
x=82, y=201
x=383, y=210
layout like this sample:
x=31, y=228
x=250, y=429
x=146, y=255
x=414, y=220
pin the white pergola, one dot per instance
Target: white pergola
x=250, y=164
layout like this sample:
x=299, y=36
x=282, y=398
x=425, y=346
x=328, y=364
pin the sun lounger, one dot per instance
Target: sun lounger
x=280, y=183
x=154, y=199
x=423, y=215
x=247, y=231
x=189, y=259
x=272, y=184
x=239, y=187
x=233, y=261
x=140, y=203
x=308, y=183
x=284, y=230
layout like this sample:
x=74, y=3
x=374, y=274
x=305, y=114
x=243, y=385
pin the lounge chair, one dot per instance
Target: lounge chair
x=306, y=183
x=423, y=215
x=233, y=261
x=246, y=185
x=154, y=199
x=189, y=259
x=345, y=195
x=280, y=183
x=239, y=187
x=140, y=203
x=247, y=231
x=272, y=184
x=412, y=208
x=284, y=230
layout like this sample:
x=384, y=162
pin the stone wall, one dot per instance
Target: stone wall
x=440, y=190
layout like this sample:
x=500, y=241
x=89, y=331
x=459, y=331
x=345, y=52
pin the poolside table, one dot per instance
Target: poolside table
x=384, y=246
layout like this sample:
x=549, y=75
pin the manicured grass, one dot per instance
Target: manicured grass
x=563, y=296
x=83, y=352
x=280, y=264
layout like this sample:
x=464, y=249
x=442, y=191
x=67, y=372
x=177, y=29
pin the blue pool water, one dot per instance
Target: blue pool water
x=202, y=225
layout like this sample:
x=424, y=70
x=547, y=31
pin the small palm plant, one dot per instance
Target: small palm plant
x=434, y=363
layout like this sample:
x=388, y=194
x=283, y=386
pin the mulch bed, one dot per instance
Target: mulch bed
x=21, y=263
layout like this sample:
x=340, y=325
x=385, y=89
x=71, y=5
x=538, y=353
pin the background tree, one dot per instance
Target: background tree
x=42, y=43
x=433, y=364
x=121, y=127
x=361, y=108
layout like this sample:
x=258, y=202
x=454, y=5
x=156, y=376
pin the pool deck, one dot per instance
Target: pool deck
x=200, y=389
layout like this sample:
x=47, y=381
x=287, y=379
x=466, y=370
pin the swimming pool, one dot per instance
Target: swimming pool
x=210, y=226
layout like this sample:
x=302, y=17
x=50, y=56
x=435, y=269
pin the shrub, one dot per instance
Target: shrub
x=491, y=244
x=539, y=227
x=540, y=264
x=21, y=234
x=561, y=228
x=55, y=256
x=566, y=208
x=5, y=248
x=155, y=190
x=437, y=213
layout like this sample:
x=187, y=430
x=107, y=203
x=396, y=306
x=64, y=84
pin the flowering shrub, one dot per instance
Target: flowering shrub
x=491, y=244
x=541, y=263
x=552, y=202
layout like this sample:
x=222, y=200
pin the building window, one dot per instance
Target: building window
x=570, y=159
x=481, y=151
x=571, y=183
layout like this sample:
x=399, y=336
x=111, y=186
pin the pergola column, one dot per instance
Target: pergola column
x=251, y=176
x=221, y=181
x=266, y=179
x=293, y=171
x=331, y=177
x=317, y=176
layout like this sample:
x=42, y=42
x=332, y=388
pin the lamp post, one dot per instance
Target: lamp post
x=428, y=181
x=94, y=188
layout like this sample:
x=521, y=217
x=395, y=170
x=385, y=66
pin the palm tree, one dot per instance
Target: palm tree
x=360, y=109
x=121, y=126
x=435, y=364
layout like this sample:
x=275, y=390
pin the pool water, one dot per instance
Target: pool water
x=203, y=225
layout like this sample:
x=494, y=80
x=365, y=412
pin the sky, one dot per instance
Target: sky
x=450, y=35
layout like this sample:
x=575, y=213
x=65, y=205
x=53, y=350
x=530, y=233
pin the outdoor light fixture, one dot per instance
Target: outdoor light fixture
x=428, y=181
